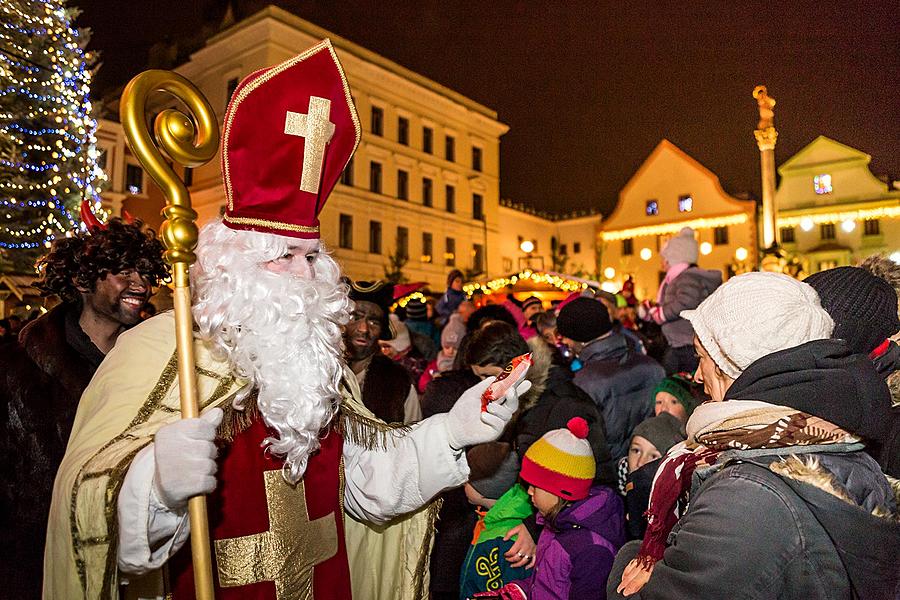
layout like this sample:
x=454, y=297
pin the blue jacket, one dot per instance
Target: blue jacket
x=619, y=379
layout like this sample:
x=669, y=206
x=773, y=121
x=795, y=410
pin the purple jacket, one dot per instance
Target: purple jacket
x=574, y=560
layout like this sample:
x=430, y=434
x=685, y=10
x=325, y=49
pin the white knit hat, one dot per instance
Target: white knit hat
x=756, y=314
x=681, y=249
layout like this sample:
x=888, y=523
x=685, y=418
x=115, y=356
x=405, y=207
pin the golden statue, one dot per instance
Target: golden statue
x=766, y=107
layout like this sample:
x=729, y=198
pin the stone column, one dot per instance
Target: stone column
x=766, y=135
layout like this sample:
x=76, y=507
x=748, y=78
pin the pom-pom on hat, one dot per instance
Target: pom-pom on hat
x=562, y=462
x=681, y=249
x=416, y=310
x=583, y=319
x=863, y=306
x=756, y=314
x=289, y=131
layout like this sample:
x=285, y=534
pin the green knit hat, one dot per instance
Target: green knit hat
x=679, y=385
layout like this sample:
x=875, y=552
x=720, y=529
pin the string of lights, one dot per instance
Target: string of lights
x=48, y=157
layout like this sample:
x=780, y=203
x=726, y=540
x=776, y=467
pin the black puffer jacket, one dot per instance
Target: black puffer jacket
x=619, y=380
x=823, y=526
x=558, y=401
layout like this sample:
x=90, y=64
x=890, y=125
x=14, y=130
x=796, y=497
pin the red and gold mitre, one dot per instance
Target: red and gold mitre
x=289, y=132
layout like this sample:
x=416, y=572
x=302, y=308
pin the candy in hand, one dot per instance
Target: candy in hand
x=511, y=376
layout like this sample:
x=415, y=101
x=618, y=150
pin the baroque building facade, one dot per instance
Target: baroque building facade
x=669, y=191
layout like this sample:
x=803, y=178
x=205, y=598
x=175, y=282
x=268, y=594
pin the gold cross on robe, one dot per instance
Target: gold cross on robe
x=317, y=130
x=287, y=553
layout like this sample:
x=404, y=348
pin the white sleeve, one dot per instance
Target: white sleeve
x=418, y=464
x=149, y=532
x=412, y=408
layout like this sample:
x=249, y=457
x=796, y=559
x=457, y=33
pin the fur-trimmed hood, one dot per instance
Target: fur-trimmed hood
x=538, y=374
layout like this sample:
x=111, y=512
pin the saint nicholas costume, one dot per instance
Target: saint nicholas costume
x=359, y=522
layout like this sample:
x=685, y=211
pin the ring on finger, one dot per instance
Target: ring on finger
x=520, y=555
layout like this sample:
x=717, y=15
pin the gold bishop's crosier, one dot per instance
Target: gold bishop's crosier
x=190, y=140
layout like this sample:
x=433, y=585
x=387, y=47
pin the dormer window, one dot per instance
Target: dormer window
x=652, y=208
x=685, y=203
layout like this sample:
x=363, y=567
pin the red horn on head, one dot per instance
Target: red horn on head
x=127, y=217
x=89, y=218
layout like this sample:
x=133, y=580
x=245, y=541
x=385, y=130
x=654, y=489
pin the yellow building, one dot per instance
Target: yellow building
x=669, y=191
x=546, y=242
x=424, y=182
x=831, y=210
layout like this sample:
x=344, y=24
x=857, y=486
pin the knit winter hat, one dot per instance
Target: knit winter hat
x=561, y=462
x=678, y=386
x=756, y=314
x=863, y=306
x=583, y=320
x=530, y=301
x=453, y=331
x=493, y=468
x=416, y=310
x=663, y=431
x=681, y=249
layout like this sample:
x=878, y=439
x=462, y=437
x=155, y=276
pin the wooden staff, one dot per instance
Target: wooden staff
x=190, y=141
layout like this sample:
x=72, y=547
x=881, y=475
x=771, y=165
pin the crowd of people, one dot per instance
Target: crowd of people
x=734, y=439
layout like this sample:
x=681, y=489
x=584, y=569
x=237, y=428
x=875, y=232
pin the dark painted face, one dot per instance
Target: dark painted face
x=119, y=297
x=362, y=333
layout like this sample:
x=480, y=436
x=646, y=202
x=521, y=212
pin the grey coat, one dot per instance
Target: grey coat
x=686, y=292
x=752, y=534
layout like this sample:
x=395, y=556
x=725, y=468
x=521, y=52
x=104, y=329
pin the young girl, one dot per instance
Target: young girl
x=583, y=524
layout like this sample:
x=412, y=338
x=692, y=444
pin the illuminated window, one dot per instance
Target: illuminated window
x=685, y=203
x=652, y=207
x=822, y=184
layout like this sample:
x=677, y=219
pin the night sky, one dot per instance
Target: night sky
x=589, y=88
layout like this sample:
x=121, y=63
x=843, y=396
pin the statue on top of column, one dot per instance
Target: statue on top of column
x=766, y=105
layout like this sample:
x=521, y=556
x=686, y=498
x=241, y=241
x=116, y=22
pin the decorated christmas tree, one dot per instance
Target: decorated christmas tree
x=48, y=159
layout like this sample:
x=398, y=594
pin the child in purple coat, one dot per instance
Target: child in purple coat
x=584, y=525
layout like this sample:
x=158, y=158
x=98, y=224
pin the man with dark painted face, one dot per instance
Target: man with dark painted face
x=104, y=278
x=386, y=387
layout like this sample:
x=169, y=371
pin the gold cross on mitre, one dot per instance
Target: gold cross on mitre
x=317, y=130
x=287, y=552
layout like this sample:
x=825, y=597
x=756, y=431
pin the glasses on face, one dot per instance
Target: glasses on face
x=371, y=320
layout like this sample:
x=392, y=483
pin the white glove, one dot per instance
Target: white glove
x=185, y=457
x=467, y=425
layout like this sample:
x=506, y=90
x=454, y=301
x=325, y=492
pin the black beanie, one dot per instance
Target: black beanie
x=583, y=320
x=863, y=306
x=416, y=310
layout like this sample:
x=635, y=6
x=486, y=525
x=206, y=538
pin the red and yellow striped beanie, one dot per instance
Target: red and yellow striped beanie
x=562, y=462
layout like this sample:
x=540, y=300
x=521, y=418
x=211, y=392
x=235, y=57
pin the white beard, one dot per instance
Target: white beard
x=280, y=332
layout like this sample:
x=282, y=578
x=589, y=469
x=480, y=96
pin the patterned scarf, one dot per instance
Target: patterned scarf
x=713, y=428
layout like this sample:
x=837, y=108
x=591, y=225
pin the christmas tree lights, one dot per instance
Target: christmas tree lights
x=48, y=158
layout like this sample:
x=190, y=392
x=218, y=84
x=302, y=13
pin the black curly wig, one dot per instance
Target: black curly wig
x=85, y=258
